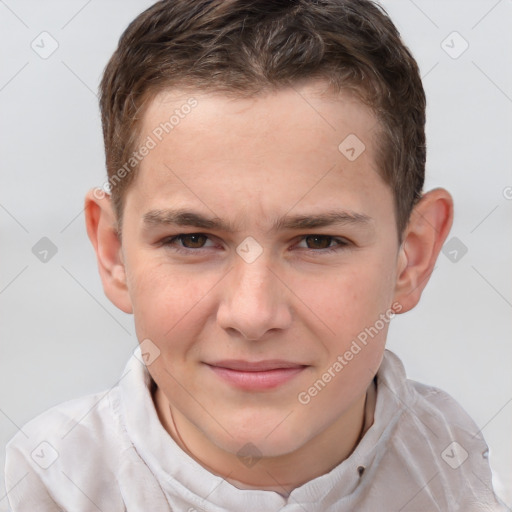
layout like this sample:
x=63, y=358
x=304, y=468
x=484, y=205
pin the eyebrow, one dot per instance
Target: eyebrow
x=183, y=217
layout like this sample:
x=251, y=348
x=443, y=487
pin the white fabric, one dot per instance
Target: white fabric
x=109, y=452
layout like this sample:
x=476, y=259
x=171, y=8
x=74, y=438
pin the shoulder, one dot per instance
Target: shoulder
x=442, y=407
x=65, y=448
x=82, y=418
x=432, y=405
x=437, y=444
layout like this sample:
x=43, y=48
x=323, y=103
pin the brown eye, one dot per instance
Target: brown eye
x=193, y=240
x=318, y=241
x=323, y=244
x=188, y=243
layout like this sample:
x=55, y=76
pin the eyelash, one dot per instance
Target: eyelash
x=342, y=243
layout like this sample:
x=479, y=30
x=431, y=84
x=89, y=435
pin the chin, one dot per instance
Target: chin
x=261, y=442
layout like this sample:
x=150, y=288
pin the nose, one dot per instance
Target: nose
x=255, y=302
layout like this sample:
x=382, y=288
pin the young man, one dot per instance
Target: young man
x=265, y=221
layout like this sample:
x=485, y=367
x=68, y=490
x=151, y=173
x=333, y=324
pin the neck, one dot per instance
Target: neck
x=282, y=473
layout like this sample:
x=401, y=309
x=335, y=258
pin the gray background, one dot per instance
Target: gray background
x=60, y=336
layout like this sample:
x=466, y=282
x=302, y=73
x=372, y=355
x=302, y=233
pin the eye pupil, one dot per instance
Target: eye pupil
x=325, y=239
x=198, y=240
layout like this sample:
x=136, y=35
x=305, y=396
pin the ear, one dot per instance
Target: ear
x=429, y=225
x=102, y=230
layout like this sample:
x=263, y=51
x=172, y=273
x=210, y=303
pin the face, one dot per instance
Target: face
x=260, y=246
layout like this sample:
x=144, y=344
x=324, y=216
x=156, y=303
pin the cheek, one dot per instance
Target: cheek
x=166, y=302
x=356, y=308
x=169, y=311
x=355, y=298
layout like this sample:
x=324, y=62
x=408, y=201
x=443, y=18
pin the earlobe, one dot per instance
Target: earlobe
x=102, y=231
x=428, y=227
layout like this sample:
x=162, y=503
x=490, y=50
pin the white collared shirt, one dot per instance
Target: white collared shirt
x=109, y=452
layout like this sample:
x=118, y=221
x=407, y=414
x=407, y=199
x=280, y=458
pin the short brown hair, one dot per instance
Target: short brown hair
x=246, y=47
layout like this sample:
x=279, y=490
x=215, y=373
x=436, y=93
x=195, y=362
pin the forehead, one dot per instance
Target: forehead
x=278, y=148
x=294, y=115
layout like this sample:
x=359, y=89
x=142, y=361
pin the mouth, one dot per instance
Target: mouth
x=256, y=376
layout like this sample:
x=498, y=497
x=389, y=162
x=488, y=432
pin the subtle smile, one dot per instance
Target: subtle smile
x=256, y=376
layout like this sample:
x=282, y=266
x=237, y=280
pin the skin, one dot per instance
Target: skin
x=250, y=162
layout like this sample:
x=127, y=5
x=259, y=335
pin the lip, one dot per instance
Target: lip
x=256, y=376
